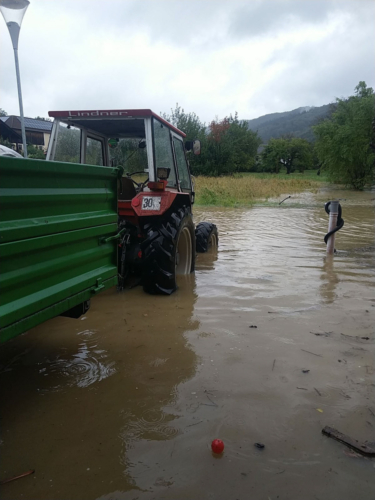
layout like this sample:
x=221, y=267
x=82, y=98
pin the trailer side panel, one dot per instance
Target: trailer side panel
x=54, y=218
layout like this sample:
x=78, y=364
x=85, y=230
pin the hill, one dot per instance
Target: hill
x=297, y=122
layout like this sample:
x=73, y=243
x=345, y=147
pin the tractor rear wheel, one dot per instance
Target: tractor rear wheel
x=168, y=250
x=206, y=236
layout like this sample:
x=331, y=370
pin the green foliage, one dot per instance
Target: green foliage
x=245, y=188
x=227, y=148
x=191, y=125
x=345, y=142
x=5, y=142
x=227, y=145
x=34, y=152
x=289, y=152
x=43, y=119
x=187, y=122
x=361, y=90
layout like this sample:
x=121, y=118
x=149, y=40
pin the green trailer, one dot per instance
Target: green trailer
x=58, y=247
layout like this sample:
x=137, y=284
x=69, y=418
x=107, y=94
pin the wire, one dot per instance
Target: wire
x=287, y=198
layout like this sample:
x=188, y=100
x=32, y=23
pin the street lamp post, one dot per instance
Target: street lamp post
x=13, y=12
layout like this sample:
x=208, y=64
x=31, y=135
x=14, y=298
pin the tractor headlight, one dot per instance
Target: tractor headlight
x=163, y=173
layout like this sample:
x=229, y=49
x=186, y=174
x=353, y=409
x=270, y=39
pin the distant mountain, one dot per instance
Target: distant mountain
x=297, y=122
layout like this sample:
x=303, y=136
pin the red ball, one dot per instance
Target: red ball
x=217, y=446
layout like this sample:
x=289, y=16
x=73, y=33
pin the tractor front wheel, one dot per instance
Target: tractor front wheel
x=207, y=237
x=168, y=250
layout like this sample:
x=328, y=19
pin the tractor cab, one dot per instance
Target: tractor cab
x=146, y=146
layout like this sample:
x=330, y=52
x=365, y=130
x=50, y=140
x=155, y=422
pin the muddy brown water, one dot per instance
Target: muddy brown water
x=123, y=403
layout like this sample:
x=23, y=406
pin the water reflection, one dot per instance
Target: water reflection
x=89, y=395
x=330, y=280
x=206, y=261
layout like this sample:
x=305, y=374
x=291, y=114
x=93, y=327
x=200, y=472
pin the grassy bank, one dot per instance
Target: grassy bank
x=246, y=189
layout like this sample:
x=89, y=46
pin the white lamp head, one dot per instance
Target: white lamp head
x=13, y=12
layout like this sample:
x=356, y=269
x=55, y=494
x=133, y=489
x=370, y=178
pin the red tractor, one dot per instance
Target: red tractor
x=156, y=193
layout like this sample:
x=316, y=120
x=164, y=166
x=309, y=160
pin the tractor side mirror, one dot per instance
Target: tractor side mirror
x=142, y=144
x=197, y=147
x=194, y=146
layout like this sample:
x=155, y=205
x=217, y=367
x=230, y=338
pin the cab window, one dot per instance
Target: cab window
x=94, y=152
x=163, y=150
x=68, y=144
x=182, y=167
x=131, y=155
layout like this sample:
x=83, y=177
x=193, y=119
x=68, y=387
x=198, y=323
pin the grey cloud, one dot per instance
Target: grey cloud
x=175, y=21
x=73, y=71
x=263, y=17
x=316, y=72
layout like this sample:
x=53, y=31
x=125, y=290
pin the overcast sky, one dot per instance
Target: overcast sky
x=213, y=57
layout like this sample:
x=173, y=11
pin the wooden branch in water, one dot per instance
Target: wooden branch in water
x=213, y=402
x=351, y=443
x=196, y=423
x=18, y=477
x=304, y=350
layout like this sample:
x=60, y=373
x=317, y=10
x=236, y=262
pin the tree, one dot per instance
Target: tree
x=345, y=141
x=3, y=113
x=216, y=150
x=187, y=122
x=193, y=128
x=229, y=147
x=43, y=119
x=361, y=90
x=291, y=152
x=5, y=142
x=244, y=145
x=34, y=152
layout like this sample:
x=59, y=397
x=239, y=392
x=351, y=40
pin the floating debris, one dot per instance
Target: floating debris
x=355, y=445
x=260, y=446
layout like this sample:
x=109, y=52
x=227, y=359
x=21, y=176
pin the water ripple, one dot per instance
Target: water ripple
x=88, y=366
x=153, y=424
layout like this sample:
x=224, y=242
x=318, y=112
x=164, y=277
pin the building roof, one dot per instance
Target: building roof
x=8, y=133
x=38, y=124
x=30, y=123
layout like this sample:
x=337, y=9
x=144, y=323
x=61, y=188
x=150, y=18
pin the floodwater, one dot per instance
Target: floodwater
x=124, y=403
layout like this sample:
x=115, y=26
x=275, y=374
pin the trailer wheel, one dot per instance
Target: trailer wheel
x=206, y=236
x=168, y=250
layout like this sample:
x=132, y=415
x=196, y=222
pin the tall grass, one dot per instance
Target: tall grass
x=246, y=189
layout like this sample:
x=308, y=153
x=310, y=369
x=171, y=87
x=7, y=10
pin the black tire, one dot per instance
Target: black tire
x=206, y=236
x=160, y=263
